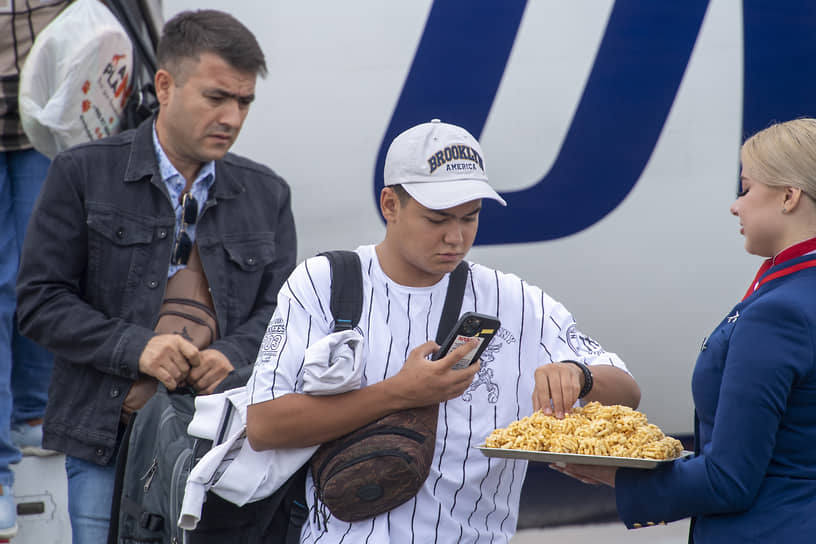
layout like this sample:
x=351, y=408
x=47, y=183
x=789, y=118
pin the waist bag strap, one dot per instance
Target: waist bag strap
x=453, y=301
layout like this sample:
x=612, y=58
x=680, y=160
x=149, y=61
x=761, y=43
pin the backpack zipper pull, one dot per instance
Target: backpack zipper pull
x=151, y=472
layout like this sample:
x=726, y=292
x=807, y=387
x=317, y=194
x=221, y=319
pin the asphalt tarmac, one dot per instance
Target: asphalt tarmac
x=607, y=533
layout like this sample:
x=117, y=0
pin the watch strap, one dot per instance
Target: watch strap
x=588, y=381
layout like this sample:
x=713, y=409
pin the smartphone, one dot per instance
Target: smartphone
x=471, y=325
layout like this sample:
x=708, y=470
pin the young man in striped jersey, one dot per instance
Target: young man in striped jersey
x=435, y=182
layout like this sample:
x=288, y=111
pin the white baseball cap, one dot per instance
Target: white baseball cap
x=440, y=165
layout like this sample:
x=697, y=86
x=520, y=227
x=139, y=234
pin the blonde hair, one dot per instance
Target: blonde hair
x=784, y=155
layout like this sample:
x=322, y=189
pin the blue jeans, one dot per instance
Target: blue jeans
x=90, y=492
x=25, y=367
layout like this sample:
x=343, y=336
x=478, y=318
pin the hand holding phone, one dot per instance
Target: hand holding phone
x=471, y=325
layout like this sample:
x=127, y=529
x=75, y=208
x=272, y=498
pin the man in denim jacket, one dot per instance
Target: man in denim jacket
x=117, y=217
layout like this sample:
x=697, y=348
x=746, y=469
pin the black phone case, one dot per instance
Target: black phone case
x=474, y=325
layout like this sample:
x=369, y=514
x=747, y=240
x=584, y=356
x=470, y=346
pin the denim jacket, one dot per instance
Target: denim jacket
x=94, y=270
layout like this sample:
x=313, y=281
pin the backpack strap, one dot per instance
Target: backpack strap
x=453, y=301
x=346, y=288
x=142, y=53
x=142, y=102
x=296, y=503
x=118, y=482
x=346, y=303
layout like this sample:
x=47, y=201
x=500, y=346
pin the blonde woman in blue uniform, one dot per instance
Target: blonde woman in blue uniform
x=753, y=478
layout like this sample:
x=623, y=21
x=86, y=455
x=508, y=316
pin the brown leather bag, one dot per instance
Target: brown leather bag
x=187, y=310
x=376, y=467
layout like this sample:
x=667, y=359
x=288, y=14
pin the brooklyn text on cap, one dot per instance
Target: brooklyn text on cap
x=440, y=165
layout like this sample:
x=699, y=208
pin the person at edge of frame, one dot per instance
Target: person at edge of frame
x=753, y=475
x=25, y=366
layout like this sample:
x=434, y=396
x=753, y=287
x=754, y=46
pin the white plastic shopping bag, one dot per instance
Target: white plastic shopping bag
x=76, y=79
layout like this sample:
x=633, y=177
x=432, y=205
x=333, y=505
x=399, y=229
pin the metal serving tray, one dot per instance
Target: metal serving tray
x=578, y=459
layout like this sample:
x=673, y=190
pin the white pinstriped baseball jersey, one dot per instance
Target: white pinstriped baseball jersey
x=467, y=496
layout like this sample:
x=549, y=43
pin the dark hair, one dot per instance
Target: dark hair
x=191, y=33
x=401, y=193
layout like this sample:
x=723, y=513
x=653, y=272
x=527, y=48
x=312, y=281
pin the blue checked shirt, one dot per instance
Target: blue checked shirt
x=175, y=184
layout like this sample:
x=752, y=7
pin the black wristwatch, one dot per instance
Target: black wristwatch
x=587, y=378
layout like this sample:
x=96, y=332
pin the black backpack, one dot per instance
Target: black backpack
x=155, y=459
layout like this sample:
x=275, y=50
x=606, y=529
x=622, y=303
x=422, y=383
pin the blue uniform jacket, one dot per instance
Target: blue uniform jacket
x=754, y=388
x=94, y=270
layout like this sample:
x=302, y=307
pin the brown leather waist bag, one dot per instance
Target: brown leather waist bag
x=377, y=467
x=187, y=310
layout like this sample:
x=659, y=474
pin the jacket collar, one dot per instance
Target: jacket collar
x=794, y=262
x=793, y=253
x=142, y=164
x=142, y=160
